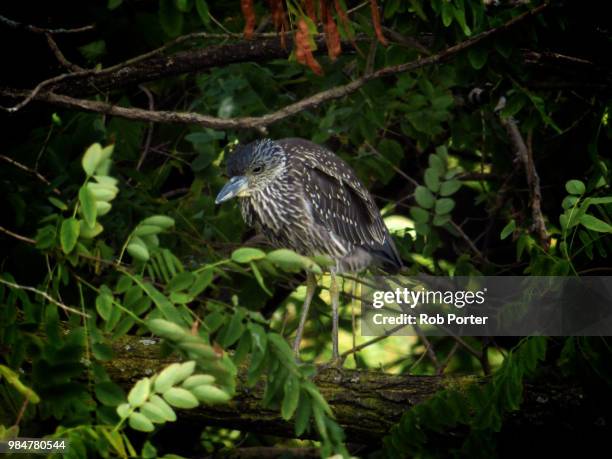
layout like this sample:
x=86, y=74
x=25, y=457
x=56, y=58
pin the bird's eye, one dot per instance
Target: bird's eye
x=257, y=169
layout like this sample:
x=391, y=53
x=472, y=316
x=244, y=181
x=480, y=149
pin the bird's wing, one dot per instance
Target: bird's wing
x=340, y=205
x=338, y=200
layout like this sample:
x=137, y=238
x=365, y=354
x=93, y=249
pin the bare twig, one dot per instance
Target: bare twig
x=45, y=295
x=34, y=29
x=393, y=166
x=147, y=144
x=31, y=171
x=448, y=358
x=17, y=236
x=60, y=56
x=429, y=350
x=405, y=41
x=24, y=405
x=469, y=242
x=524, y=155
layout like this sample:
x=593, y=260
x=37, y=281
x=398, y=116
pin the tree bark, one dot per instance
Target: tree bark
x=366, y=403
x=190, y=61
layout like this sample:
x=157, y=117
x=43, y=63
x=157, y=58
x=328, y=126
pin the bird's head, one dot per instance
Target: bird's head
x=252, y=167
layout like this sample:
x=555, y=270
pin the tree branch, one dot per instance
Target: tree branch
x=365, y=403
x=525, y=156
x=34, y=29
x=220, y=55
x=45, y=295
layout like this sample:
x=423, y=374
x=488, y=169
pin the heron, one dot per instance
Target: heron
x=301, y=196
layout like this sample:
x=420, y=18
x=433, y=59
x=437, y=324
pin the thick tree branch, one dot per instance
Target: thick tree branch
x=365, y=403
x=220, y=55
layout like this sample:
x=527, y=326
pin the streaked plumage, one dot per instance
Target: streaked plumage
x=309, y=200
x=303, y=197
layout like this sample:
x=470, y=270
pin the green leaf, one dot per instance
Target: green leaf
x=69, y=234
x=302, y=416
x=198, y=380
x=113, y=4
x=447, y=13
x=93, y=51
x=459, y=12
x=210, y=395
x=419, y=215
x=104, y=304
x=92, y=158
x=180, y=398
x=478, y=56
x=169, y=376
x=181, y=281
x=102, y=208
x=102, y=192
x=140, y=392
x=424, y=197
x=183, y=5
x=602, y=200
x=57, y=203
x=595, y=224
x=170, y=18
x=513, y=105
x=282, y=348
x=45, y=237
x=12, y=378
x=202, y=9
x=449, y=187
x=508, y=229
x=540, y=106
x=247, y=254
x=259, y=278
x=234, y=329
x=89, y=233
x=138, y=250
x=444, y=206
x=441, y=220
x=291, y=397
x=575, y=187
x=123, y=410
x=166, y=378
x=139, y=421
x=259, y=336
x=437, y=164
x=202, y=281
x=290, y=261
x=109, y=393
x=163, y=221
x=167, y=329
x=88, y=206
x=147, y=230
x=153, y=412
x=159, y=402
x=432, y=180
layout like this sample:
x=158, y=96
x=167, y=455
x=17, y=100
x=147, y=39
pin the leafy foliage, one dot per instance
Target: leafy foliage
x=110, y=226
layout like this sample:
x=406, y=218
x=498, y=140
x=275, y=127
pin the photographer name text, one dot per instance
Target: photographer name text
x=428, y=319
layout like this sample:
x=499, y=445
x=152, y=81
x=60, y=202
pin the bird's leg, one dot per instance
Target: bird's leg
x=334, y=292
x=311, y=286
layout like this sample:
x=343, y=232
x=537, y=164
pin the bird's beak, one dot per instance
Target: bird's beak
x=236, y=186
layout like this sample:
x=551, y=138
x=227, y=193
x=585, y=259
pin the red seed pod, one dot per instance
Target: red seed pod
x=248, y=11
x=376, y=23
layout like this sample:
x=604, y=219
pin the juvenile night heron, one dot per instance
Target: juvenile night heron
x=303, y=197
